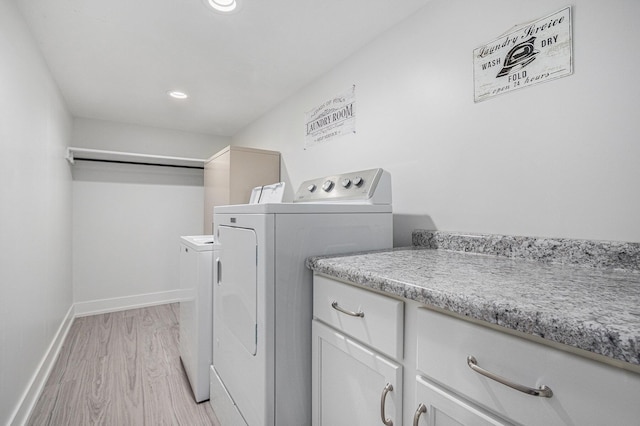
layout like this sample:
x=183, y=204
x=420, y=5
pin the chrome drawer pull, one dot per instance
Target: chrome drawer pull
x=388, y=388
x=543, y=391
x=421, y=410
x=335, y=306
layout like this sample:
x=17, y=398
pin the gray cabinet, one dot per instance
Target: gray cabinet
x=231, y=174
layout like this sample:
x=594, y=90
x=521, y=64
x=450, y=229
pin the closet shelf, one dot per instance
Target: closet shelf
x=74, y=154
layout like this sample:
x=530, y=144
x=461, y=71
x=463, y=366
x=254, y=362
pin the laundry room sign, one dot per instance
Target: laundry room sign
x=531, y=53
x=331, y=119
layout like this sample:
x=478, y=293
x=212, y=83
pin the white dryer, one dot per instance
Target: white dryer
x=261, y=372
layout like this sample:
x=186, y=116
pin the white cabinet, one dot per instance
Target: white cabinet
x=584, y=392
x=231, y=174
x=353, y=384
x=401, y=341
x=438, y=407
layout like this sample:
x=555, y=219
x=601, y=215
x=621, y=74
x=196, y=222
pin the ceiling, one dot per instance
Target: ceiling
x=115, y=60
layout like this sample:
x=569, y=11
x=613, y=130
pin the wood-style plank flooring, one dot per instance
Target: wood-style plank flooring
x=121, y=368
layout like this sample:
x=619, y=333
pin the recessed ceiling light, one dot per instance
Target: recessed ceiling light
x=223, y=5
x=176, y=94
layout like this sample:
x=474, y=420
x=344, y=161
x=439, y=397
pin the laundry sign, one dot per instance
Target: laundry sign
x=331, y=119
x=533, y=53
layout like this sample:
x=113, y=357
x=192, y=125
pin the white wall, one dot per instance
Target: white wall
x=127, y=218
x=558, y=159
x=100, y=134
x=35, y=213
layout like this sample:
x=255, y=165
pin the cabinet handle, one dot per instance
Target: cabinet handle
x=542, y=391
x=219, y=268
x=416, y=417
x=335, y=306
x=388, y=388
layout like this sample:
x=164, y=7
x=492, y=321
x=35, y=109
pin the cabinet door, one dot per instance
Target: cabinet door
x=445, y=409
x=349, y=382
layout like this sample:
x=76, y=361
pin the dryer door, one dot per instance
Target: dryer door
x=240, y=352
x=236, y=291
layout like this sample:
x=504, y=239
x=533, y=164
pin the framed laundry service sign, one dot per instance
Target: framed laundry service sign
x=533, y=53
x=333, y=118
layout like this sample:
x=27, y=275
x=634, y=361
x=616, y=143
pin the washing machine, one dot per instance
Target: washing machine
x=196, y=260
x=261, y=371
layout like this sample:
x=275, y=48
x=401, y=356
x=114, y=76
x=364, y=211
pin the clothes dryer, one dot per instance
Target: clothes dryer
x=261, y=372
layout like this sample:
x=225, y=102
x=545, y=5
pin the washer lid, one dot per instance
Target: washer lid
x=200, y=242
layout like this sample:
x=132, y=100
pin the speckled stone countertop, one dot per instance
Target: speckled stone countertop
x=595, y=309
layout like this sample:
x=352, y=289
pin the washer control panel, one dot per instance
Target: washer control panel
x=355, y=187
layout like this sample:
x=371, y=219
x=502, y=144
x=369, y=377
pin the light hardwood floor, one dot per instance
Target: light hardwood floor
x=121, y=368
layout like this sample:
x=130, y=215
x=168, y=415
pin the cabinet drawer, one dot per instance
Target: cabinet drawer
x=380, y=320
x=585, y=392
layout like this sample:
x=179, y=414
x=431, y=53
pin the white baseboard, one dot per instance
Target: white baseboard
x=93, y=307
x=39, y=379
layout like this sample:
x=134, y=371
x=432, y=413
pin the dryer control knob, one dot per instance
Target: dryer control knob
x=328, y=186
x=311, y=188
x=346, y=182
x=358, y=181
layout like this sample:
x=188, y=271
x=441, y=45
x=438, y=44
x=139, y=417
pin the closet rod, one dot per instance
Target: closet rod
x=138, y=163
x=86, y=154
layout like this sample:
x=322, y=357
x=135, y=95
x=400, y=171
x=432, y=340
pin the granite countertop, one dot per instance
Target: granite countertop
x=597, y=310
